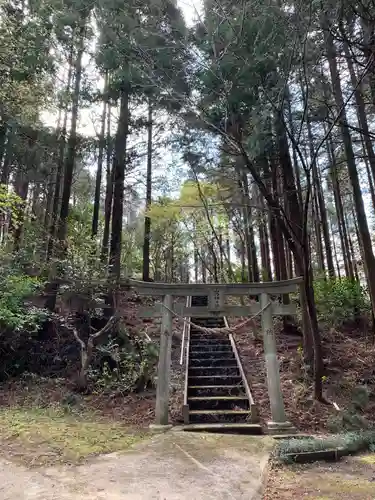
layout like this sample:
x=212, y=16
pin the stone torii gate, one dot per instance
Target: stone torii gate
x=217, y=306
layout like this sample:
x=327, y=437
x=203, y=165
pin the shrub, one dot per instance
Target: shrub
x=20, y=321
x=15, y=314
x=131, y=367
x=339, y=300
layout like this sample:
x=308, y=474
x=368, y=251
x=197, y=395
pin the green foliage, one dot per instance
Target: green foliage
x=153, y=56
x=82, y=249
x=179, y=224
x=169, y=236
x=237, y=274
x=339, y=300
x=15, y=289
x=24, y=60
x=135, y=367
x=263, y=64
x=10, y=204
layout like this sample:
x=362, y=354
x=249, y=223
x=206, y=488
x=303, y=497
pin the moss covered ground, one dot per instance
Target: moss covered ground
x=39, y=436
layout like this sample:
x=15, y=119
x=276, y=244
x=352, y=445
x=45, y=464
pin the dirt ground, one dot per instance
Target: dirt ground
x=171, y=466
x=353, y=478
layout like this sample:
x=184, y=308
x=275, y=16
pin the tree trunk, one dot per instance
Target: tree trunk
x=108, y=190
x=252, y=263
x=147, y=230
x=51, y=179
x=49, y=200
x=221, y=255
x=3, y=135
x=53, y=287
x=353, y=257
x=196, y=263
x=254, y=259
x=203, y=266
x=294, y=149
x=60, y=167
x=335, y=251
x=320, y=202
x=229, y=253
x=35, y=206
x=275, y=247
x=264, y=243
x=72, y=142
x=276, y=235
x=370, y=182
x=21, y=189
x=340, y=211
x=318, y=234
x=119, y=161
x=98, y=183
x=362, y=120
x=368, y=29
x=297, y=239
x=352, y=168
x=5, y=172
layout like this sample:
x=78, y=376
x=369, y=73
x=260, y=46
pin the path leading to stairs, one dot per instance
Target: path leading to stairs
x=172, y=466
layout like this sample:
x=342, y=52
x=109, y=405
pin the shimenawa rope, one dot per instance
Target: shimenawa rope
x=225, y=329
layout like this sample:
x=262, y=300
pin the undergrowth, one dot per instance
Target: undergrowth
x=348, y=443
x=339, y=300
x=15, y=313
x=131, y=367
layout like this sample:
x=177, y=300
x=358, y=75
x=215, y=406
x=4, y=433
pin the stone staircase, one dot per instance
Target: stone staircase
x=217, y=396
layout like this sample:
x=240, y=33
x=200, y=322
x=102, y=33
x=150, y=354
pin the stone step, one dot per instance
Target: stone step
x=210, y=347
x=206, y=323
x=213, y=370
x=203, y=320
x=213, y=338
x=216, y=390
x=214, y=379
x=205, y=354
x=206, y=338
x=210, y=342
x=219, y=403
x=212, y=361
x=203, y=416
x=214, y=348
x=230, y=428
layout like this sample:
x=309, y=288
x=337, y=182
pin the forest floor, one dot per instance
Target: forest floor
x=353, y=478
x=349, y=362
